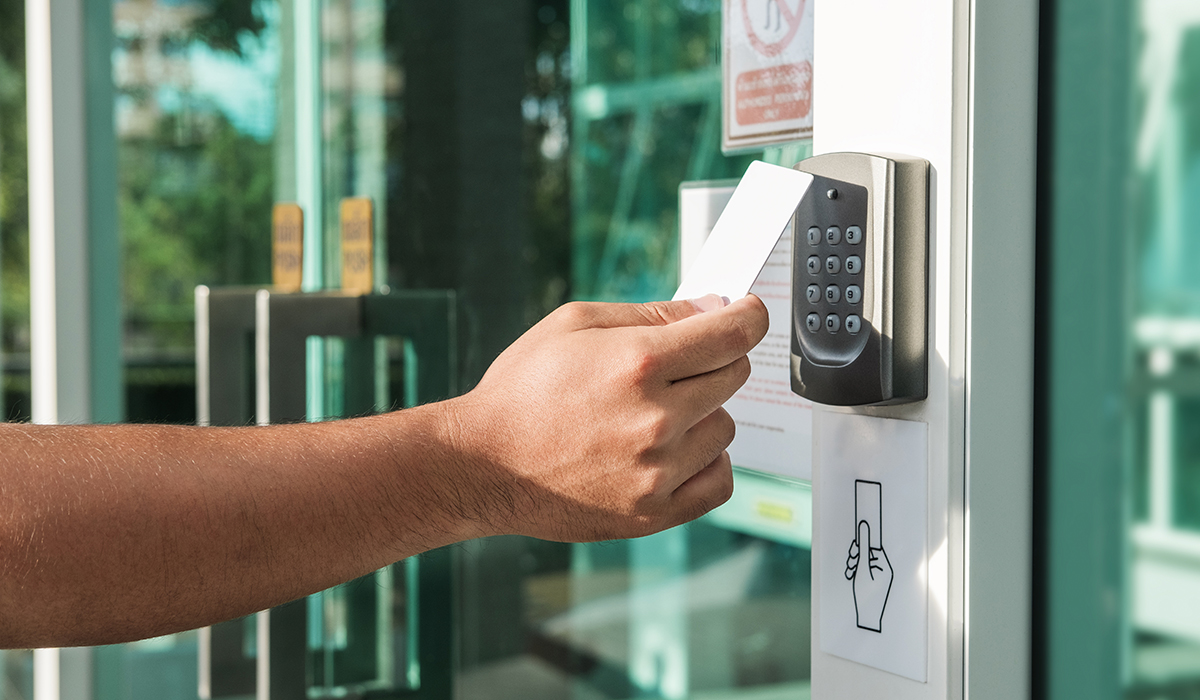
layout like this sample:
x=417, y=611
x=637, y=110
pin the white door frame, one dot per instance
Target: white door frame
x=954, y=82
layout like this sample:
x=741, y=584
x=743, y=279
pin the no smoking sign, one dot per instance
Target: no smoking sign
x=767, y=72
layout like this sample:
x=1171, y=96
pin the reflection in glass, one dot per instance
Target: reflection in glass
x=14, y=217
x=691, y=612
x=162, y=668
x=1165, y=498
x=363, y=634
x=16, y=675
x=195, y=114
x=646, y=91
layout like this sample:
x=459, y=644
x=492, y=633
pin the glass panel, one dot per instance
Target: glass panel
x=693, y=612
x=365, y=636
x=717, y=609
x=14, y=217
x=1166, y=546
x=646, y=116
x=163, y=668
x=1121, y=340
x=16, y=675
x=196, y=118
x=518, y=155
x=196, y=105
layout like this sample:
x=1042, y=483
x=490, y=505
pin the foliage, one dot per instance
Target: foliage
x=14, y=210
x=547, y=158
x=196, y=213
x=223, y=26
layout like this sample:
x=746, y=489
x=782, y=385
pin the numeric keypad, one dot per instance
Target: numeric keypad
x=834, y=277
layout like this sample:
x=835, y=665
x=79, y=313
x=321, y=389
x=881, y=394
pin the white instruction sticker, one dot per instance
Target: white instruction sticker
x=871, y=558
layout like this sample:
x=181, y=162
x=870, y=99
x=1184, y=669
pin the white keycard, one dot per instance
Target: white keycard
x=739, y=245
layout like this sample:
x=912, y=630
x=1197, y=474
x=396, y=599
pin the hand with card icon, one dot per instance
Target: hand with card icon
x=872, y=583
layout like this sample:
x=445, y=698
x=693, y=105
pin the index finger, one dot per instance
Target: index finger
x=709, y=341
x=651, y=313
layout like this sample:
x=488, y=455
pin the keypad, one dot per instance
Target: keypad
x=832, y=279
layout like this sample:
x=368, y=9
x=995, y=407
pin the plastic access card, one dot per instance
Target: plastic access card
x=747, y=231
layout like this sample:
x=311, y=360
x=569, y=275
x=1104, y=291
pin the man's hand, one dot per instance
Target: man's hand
x=604, y=421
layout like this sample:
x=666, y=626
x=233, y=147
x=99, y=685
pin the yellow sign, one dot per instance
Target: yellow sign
x=358, y=235
x=287, y=247
x=780, y=512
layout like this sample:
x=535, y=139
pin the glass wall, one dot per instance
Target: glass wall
x=16, y=675
x=1120, y=343
x=646, y=116
x=196, y=112
x=1164, y=547
x=683, y=613
x=14, y=217
x=518, y=153
x=16, y=667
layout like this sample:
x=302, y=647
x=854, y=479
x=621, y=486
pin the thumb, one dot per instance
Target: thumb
x=653, y=313
x=864, y=536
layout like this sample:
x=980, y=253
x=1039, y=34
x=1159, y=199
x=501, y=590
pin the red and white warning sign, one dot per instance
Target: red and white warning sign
x=767, y=72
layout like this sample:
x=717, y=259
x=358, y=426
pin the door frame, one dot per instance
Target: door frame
x=955, y=83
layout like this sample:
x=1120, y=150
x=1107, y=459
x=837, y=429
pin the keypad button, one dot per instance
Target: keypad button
x=814, y=265
x=854, y=264
x=832, y=323
x=813, y=293
x=853, y=324
x=853, y=237
x=833, y=264
x=853, y=293
x=833, y=235
x=833, y=294
x=814, y=235
x=813, y=323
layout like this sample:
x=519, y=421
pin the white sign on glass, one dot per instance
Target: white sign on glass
x=767, y=72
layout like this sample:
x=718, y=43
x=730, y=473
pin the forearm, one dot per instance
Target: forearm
x=604, y=421
x=110, y=533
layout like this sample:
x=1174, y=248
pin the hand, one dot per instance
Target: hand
x=604, y=421
x=871, y=587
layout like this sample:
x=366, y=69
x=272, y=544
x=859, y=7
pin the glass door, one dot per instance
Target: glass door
x=517, y=155
x=1119, y=550
x=719, y=608
x=523, y=155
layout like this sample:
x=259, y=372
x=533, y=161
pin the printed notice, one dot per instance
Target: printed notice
x=746, y=251
x=774, y=426
x=767, y=72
